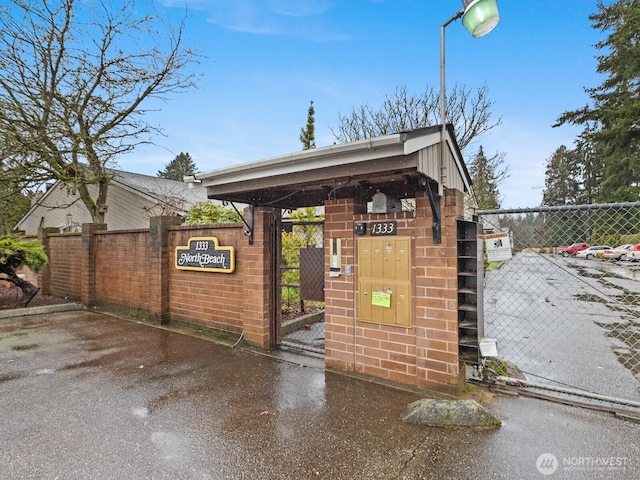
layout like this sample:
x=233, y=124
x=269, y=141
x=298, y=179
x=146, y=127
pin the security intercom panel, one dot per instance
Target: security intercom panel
x=384, y=280
x=335, y=257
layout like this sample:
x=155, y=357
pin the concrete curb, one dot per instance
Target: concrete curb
x=23, y=312
x=298, y=323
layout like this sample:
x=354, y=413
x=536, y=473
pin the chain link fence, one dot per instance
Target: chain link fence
x=301, y=286
x=565, y=315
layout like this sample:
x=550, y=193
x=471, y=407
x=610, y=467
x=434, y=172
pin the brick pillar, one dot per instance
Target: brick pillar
x=88, y=262
x=339, y=297
x=256, y=263
x=160, y=261
x=438, y=365
x=44, y=277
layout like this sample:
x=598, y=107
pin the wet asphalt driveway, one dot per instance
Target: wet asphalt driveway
x=87, y=396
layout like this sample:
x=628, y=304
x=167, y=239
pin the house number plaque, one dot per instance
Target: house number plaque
x=383, y=228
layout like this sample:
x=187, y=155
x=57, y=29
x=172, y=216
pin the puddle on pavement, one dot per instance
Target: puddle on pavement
x=97, y=362
x=10, y=376
x=28, y=346
x=623, y=272
x=624, y=332
x=23, y=341
x=589, y=297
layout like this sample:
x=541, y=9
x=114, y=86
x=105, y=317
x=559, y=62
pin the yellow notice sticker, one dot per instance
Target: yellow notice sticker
x=381, y=299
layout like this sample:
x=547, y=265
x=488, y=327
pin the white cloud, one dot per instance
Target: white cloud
x=299, y=8
x=298, y=18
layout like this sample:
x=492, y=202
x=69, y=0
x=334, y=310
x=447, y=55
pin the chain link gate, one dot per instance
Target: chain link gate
x=565, y=318
x=301, y=286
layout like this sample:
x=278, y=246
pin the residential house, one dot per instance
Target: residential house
x=131, y=200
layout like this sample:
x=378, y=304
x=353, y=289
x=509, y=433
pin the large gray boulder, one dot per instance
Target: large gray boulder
x=449, y=413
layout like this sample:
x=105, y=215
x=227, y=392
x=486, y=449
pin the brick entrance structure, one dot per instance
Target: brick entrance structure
x=425, y=354
x=391, y=291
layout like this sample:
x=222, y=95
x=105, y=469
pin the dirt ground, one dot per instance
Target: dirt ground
x=10, y=296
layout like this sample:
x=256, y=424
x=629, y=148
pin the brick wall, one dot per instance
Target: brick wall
x=437, y=360
x=64, y=267
x=425, y=354
x=210, y=299
x=136, y=269
x=122, y=267
x=339, y=315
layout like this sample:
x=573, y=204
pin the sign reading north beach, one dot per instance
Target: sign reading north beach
x=205, y=255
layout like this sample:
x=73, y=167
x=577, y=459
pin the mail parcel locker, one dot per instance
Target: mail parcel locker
x=384, y=280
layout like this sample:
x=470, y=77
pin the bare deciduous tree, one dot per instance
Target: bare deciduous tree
x=73, y=80
x=470, y=114
x=168, y=202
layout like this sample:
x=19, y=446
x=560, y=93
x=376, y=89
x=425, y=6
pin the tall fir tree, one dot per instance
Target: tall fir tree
x=613, y=114
x=308, y=134
x=486, y=175
x=181, y=166
x=561, y=184
x=589, y=158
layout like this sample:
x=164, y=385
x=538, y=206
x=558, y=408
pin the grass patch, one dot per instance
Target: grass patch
x=498, y=365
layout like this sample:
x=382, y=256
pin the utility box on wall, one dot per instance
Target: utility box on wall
x=384, y=280
x=382, y=203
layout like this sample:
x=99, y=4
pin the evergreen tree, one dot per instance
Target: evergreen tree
x=561, y=185
x=179, y=167
x=307, y=134
x=14, y=204
x=589, y=157
x=615, y=104
x=486, y=175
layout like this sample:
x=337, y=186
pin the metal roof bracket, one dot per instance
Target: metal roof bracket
x=431, y=188
x=249, y=224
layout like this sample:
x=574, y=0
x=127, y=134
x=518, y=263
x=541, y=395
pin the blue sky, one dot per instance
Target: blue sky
x=265, y=60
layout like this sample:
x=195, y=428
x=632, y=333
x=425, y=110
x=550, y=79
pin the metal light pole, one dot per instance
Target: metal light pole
x=479, y=17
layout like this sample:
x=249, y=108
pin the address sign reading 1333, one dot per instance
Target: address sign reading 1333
x=383, y=228
x=205, y=255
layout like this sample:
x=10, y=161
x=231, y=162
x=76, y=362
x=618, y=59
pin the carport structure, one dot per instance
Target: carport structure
x=392, y=290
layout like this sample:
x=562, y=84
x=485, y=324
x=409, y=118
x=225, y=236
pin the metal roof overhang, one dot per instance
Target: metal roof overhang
x=308, y=178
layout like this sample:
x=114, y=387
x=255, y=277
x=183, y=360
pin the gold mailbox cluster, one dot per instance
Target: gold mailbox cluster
x=384, y=281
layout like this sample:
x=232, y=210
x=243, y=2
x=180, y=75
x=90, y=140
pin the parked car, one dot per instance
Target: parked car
x=633, y=254
x=592, y=252
x=571, y=250
x=619, y=253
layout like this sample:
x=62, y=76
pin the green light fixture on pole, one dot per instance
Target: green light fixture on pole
x=479, y=17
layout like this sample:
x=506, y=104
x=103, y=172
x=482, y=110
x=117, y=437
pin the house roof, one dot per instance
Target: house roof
x=158, y=188
x=152, y=191
x=400, y=165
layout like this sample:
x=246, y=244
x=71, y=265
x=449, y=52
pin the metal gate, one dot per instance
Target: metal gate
x=567, y=319
x=300, y=286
